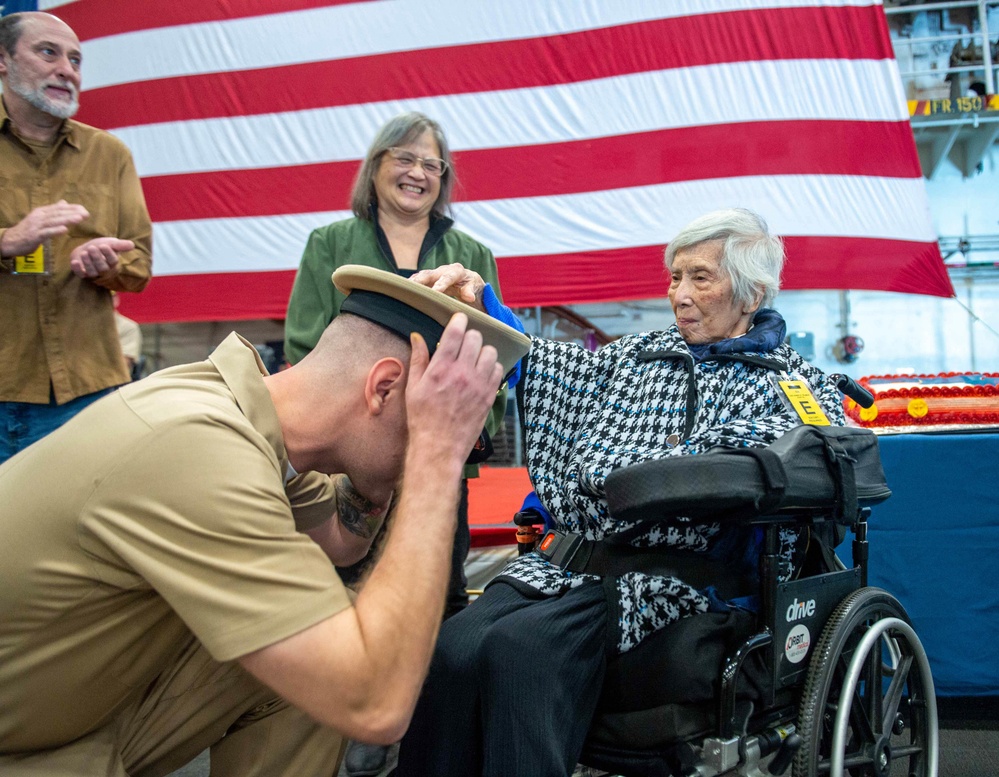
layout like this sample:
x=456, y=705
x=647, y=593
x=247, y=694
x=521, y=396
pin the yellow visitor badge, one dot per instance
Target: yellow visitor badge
x=803, y=403
x=31, y=264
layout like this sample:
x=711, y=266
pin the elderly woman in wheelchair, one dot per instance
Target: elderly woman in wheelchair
x=607, y=643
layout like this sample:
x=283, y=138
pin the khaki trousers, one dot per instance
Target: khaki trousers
x=196, y=704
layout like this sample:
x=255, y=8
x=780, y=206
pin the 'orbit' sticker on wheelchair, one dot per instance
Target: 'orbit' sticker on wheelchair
x=797, y=644
x=798, y=398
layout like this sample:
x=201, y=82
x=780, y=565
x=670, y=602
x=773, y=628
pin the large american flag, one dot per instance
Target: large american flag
x=586, y=133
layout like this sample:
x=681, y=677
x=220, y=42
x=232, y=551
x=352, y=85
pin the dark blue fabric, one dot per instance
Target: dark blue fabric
x=531, y=502
x=935, y=546
x=16, y=6
x=767, y=333
x=22, y=423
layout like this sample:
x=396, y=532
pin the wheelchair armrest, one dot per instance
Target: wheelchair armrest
x=810, y=470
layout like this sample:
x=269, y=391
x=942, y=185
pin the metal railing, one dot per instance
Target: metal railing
x=981, y=47
x=970, y=249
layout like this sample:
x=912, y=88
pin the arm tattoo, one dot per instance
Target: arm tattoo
x=357, y=514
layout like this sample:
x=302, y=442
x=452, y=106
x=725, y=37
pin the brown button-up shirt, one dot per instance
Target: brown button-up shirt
x=59, y=330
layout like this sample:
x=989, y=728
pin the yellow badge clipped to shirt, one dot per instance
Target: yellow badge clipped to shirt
x=33, y=263
x=802, y=402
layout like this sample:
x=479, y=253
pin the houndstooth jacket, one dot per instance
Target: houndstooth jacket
x=588, y=413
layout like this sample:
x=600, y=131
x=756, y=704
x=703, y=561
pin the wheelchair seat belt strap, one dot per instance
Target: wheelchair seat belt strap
x=612, y=559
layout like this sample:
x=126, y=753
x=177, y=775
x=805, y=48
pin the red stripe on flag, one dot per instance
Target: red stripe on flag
x=866, y=263
x=595, y=276
x=741, y=36
x=211, y=297
x=665, y=156
x=591, y=276
x=585, y=277
x=638, y=273
x=101, y=18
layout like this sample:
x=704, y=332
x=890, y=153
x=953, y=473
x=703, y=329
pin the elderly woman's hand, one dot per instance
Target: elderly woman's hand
x=456, y=281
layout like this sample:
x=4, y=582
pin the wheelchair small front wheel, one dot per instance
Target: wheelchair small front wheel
x=868, y=708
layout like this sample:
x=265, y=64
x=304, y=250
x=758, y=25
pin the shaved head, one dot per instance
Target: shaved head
x=343, y=406
x=352, y=341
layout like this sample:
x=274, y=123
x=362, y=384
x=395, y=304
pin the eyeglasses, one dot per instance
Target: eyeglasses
x=431, y=165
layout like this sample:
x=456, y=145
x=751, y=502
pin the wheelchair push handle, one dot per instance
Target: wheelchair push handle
x=528, y=534
x=852, y=389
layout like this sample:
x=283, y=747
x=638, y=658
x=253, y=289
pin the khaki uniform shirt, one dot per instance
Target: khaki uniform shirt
x=59, y=331
x=159, y=511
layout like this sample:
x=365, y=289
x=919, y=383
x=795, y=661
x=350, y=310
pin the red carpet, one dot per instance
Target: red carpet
x=493, y=498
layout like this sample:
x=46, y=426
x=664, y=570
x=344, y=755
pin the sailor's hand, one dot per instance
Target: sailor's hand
x=449, y=396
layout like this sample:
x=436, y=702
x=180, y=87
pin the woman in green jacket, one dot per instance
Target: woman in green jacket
x=401, y=202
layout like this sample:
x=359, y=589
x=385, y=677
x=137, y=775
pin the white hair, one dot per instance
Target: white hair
x=752, y=257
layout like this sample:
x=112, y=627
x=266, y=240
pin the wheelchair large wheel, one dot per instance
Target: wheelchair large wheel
x=868, y=708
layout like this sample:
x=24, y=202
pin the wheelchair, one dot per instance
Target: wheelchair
x=827, y=677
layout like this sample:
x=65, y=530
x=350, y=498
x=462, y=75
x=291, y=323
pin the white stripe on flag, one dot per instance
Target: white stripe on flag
x=365, y=29
x=833, y=206
x=605, y=107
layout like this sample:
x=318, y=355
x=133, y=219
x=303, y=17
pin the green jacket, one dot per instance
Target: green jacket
x=315, y=301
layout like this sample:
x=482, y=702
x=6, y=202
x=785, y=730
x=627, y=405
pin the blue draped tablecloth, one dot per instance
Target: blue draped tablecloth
x=935, y=546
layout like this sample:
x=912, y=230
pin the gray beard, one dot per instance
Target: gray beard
x=37, y=99
x=45, y=105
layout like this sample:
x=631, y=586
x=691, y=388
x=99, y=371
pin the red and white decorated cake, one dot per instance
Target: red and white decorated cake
x=915, y=400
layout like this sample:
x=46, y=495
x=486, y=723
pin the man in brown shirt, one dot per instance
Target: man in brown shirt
x=73, y=228
x=166, y=582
